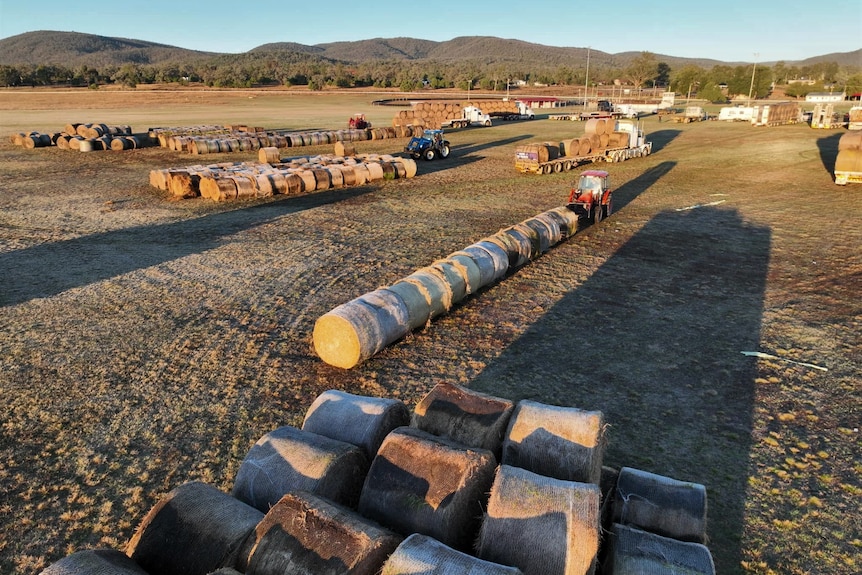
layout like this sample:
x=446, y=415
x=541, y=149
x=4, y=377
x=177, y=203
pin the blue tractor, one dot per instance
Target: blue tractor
x=428, y=146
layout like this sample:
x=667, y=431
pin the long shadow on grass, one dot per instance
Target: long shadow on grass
x=633, y=188
x=661, y=138
x=48, y=269
x=828, y=147
x=653, y=340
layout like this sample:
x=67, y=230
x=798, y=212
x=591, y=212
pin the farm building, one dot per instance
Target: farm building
x=825, y=97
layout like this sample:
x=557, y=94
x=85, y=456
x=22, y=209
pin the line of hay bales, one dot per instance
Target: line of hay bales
x=367, y=486
x=272, y=175
x=599, y=135
x=353, y=332
x=88, y=137
x=431, y=114
x=198, y=140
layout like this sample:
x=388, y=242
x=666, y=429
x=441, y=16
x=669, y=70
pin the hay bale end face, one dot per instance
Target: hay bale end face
x=307, y=535
x=419, y=483
x=540, y=524
x=358, y=420
x=422, y=554
x=193, y=530
x=633, y=552
x=95, y=562
x=290, y=459
x=468, y=417
x=562, y=442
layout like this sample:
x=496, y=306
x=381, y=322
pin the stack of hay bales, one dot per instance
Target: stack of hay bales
x=427, y=115
x=84, y=138
x=355, y=331
x=290, y=176
x=776, y=114
x=848, y=164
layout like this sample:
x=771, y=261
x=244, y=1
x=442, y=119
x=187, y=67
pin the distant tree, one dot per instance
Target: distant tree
x=642, y=68
x=662, y=77
x=9, y=76
x=711, y=93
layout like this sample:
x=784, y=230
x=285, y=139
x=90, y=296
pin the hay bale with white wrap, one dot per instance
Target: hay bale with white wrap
x=95, y=562
x=423, y=555
x=635, y=552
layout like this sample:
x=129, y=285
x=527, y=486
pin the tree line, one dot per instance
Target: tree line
x=258, y=69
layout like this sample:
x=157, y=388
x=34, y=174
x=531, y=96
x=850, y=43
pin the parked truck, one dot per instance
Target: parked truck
x=690, y=114
x=626, y=141
x=470, y=116
x=522, y=112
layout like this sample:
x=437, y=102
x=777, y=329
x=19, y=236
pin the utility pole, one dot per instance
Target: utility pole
x=753, y=68
x=587, y=81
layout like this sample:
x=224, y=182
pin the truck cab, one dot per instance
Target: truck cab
x=591, y=195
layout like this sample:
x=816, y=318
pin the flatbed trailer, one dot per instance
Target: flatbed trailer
x=583, y=117
x=526, y=164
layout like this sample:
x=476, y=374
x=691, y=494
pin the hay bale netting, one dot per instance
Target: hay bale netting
x=469, y=270
x=358, y=329
x=518, y=245
x=436, y=291
x=307, y=535
x=499, y=258
x=290, y=459
x=95, y=562
x=471, y=418
x=561, y=442
x=530, y=234
x=547, y=229
x=359, y=420
x=540, y=524
x=660, y=504
x=484, y=263
x=193, y=530
x=453, y=275
x=419, y=483
x=635, y=552
x=566, y=219
x=420, y=554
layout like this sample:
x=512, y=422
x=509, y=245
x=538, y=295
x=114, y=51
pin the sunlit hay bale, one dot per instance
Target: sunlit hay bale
x=359, y=420
x=269, y=155
x=410, y=166
x=322, y=179
x=533, y=235
x=543, y=233
x=304, y=534
x=375, y=171
x=348, y=175
x=434, y=288
x=420, y=554
x=182, y=184
x=468, y=417
x=95, y=562
x=417, y=299
x=850, y=141
x=561, y=442
x=566, y=219
x=358, y=329
x=309, y=183
x=484, y=264
x=635, y=552
x=290, y=459
x=360, y=171
x=499, y=258
x=218, y=188
x=345, y=149
x=469, y=270
x=554, y=233
x=159, y=179
x=246, y=186
x=265, y=185
x=453, y=275
x=193, y=530
x=540, y=524
x=522, y=242
x=419, y=483
x=660, y=504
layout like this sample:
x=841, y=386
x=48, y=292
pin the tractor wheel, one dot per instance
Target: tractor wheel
x=444, y=151
x=487, y=123
x=428, y=154
x=598, y=213
x=609, y=207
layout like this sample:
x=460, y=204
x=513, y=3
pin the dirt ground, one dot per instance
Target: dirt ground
x=146, y=342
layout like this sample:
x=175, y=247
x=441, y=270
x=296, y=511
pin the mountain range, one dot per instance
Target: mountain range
x=73, y=49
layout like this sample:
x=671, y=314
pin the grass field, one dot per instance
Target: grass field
x=146, y=342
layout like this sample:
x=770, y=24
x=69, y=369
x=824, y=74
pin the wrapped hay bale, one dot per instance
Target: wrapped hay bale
x=468, y=417
x=358, y=329
x=520, y=245
x=562, y=442
x=483, y=262
x=469, y=270
x=95, y=562
x=547, y=229
x=193, y=530
x=419, y=483
x=498, y=256
x=268, y=155
x=635, y=552
x=541, y=525
x=566, y=219
x=434, y=288
x=532, y=236
x=290, y=459
x=420, y=554
x=359, y=420
x=306, y=535
x=453, y=275
x=661, y=505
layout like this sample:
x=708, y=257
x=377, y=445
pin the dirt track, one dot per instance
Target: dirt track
x=147, y=342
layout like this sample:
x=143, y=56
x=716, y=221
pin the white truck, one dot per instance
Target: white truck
x=470, y=116
x=736, y=114
x=524, y=112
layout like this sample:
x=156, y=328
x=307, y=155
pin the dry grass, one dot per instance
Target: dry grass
x=146, y=342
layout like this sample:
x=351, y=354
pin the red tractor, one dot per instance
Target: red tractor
x=591, y=197
x=358, y=122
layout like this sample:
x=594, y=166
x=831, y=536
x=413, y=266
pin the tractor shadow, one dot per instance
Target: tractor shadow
x=828, y=148
x=652, y=339
x=48, y=269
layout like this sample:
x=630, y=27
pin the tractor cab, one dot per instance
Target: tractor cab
x=591, y=195
x=358, y=122
x=428, y=146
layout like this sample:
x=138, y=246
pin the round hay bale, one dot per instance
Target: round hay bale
x=193, y=530
x=344, y=149
x=75, y=143
x=419, y=483
x=305, y=534
x=293, y=184
x=538, y=152
x=522, y=232
x=517, y=247
x=119, y=144
x=484, y=262
x=268, y=155
x=417, y=301
x=594, y=126
x=569, y=147
x=469, y=270
x=246, y=185
x=63, y=142
x=851, y=140
x=278, y=183
x=584, y=146
x=361, y=173
x=434, y=288
x=375, y=171
x=541, y=524
x=358, y=329
x=86, y=145
x=562, y=442
x=548, y=235
x=71, y=129
x=410, y=166
x=422, y=554
x=349, y=175
x=604, y=140
x=452, y=274
x=290, y=459
x=849, y=160
x=595, y=143
x=219, y=189
x=322, y=179
x=566, y=220
x=336, y=176
x=181, y=184
x=660, y=504
x=359, y=420
x=309, y=182
x=471, y=418
x=498, y=255
x=159, y=179
x=95, y=562
x=265, y=185
x=632, y=552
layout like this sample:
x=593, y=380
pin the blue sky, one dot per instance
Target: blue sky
x=730, y=30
